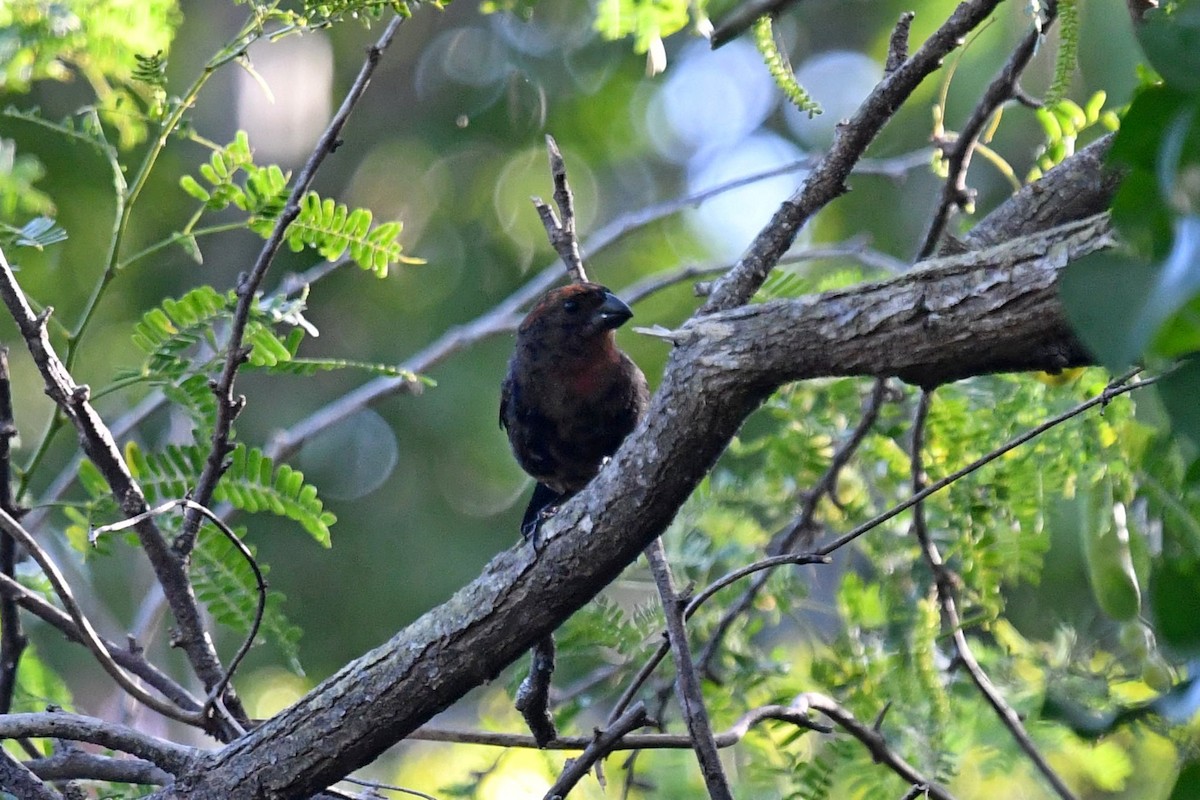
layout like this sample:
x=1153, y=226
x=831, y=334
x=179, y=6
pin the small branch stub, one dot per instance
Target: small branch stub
x=563, y=236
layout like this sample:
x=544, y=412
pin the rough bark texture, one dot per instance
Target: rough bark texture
x=984, y=311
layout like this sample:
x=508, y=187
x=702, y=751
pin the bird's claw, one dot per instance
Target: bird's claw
x=532, y=531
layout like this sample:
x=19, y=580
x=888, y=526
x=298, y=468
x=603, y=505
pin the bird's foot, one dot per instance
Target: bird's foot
x=531, y=531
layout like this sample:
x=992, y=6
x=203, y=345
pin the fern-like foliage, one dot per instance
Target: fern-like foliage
x=331, y=229
x=779, y=67
x=334, y=10
x=328, y=227
x=253, y=483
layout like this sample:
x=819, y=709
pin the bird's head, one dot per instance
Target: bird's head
x=579, y=313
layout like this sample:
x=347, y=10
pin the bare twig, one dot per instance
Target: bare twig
x=827, y=180
x=944, y=582
x=870, y=736
x=229, y=406
x=603, y=743
x=12, y=638
x=687, y=682
x=633, y=741
x=168, y=756
x=562, y=234
x=260, y=581
x=388, y=787
x=533, y=695
x=99, y=446
x=90, y=637
x=1003, y=88
x=898, y=44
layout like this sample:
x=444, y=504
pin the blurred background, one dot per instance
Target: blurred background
x=449, y=139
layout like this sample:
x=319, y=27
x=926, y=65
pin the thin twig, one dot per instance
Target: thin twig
x=388, y=787
x=898, y=43
x=12, y=638
x=634, y=741
x=229, y=406
x=687, y=682
x=603, y=743
x=944, y=583
x=260, y=581
x=801, y=526
x=90, y=637
x=1002, y=89
x=1118, y=387
x=561, y=229
x=870, y=736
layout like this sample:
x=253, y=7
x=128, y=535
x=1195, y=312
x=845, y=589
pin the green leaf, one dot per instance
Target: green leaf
x=1175, y=603
x=1171, y=43
x=253, y=483
x=332, y=228
x=1179, y=391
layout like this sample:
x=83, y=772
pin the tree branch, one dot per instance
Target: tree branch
x=167, y=756
x=985, y=311
x=228, y=406
x=828, y=180
x=1003, y=88
x=687, y=682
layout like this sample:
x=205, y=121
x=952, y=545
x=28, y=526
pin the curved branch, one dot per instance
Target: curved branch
x=228, y=406
x=167, y=756
x=985, y=311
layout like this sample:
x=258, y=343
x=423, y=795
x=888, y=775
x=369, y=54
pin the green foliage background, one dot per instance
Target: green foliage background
x=1032, y=535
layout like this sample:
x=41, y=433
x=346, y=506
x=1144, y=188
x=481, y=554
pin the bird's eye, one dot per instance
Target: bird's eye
x=570, y=306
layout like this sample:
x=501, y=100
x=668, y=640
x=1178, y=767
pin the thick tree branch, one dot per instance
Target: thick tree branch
x=983, y=312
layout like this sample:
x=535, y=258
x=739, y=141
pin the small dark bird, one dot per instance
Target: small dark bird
x=571, y=396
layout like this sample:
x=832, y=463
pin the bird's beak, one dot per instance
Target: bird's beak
x=613, y=312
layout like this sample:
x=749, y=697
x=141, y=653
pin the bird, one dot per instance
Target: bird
x=570, y=396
